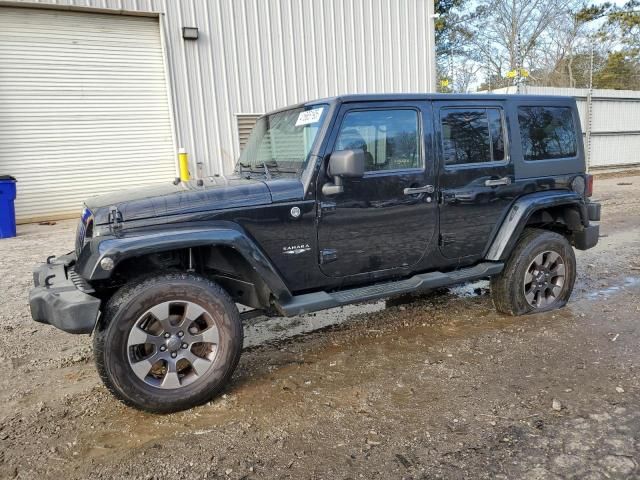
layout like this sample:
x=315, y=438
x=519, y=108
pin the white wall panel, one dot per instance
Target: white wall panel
x=615, y=150
x=258, y=55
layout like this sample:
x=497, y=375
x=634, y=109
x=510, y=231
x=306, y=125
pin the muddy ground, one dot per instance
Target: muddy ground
x=436, y=387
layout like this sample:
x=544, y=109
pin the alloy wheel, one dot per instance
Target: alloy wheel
x=544, y=279
x=173, y=344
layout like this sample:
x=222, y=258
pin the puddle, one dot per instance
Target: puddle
x=628, y=282
x=471, y=289
x=263, y=330
x=631, y=281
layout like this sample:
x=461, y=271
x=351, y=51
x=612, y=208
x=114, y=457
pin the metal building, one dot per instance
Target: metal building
x=98, y=95
x=610, y=122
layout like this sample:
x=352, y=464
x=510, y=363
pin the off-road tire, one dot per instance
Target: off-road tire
x=122, y=313
x=507, y=288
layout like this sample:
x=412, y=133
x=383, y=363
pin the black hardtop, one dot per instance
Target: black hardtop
x=400, y=97
x=408, y=97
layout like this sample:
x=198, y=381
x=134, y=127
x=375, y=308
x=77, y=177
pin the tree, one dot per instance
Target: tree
x=508, y=34
x=615, y=45
x=620, y=71
x=451, y=42
x=623, y=22
x=556, y=41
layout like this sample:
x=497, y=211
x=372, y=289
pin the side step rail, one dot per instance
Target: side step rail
x=311, y=302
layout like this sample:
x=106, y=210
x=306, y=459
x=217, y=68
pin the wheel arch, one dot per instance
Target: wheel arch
x=563, y=212
x=226, y=253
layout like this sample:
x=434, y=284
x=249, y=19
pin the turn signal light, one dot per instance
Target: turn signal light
x=589, y=187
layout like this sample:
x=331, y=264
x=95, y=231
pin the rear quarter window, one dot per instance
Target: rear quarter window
x=547, y=133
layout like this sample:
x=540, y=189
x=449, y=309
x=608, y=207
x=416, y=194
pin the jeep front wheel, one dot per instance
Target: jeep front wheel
x=168, y=342
x=538, y=276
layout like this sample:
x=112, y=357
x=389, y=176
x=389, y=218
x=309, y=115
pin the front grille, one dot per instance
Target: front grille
x=85, y=230
x=80, y=283
x=80, y=236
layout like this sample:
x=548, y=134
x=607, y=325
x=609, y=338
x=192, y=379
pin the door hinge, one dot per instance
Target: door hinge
x=326, y=207
x=328, y=255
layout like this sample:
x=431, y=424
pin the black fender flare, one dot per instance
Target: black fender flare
x=520, y=212
x=137, y=243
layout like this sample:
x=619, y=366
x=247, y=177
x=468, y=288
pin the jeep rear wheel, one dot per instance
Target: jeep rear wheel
x=168, y=342
x=538, y=276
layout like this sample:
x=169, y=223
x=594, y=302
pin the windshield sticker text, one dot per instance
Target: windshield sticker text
x=309, y=116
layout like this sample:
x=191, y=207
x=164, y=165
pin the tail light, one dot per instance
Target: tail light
x=588, y=191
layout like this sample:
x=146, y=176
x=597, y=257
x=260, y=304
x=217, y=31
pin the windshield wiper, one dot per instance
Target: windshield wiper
x=267, y=173
x=265, y=170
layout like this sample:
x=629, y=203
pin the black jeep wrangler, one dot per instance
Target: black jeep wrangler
x=332, y=202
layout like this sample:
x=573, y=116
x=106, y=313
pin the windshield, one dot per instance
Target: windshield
x=281, y=142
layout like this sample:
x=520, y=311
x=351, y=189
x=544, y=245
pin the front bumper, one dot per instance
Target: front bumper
x=62, y=298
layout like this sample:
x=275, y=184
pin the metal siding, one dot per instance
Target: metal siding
x=83, y=107
x=255, y=56
x=615, y=150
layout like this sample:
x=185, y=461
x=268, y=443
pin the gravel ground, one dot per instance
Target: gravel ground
x=439, y=386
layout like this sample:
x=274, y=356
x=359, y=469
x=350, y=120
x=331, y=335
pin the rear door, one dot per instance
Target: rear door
x=378, y=223
x=476, y=174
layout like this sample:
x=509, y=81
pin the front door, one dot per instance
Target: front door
x=476, y=175
x=378, y=222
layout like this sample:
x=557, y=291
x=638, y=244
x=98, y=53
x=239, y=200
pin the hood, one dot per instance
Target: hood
x=165, y=199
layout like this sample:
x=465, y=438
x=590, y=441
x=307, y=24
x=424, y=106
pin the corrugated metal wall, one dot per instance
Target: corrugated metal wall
x=615, y=122
x=257, y=55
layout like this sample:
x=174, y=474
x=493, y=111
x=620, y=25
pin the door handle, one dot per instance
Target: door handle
x=497, y=182
x=417, y=190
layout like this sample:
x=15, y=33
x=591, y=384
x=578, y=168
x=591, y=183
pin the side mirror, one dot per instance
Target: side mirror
x=343, y=164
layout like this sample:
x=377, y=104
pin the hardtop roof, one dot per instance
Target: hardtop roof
x=365, y=97
x=399, y=97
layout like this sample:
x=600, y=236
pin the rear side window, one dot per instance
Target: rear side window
x=472, y=135
x=547, y=133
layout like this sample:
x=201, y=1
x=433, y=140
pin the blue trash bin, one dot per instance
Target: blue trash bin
x=7, y=209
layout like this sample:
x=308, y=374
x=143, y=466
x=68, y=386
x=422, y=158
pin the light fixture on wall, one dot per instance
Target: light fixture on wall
x=190, y=33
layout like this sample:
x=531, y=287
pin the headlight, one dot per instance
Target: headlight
x=107, y=263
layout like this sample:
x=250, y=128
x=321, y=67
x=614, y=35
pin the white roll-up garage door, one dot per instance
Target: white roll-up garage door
x=83, y=107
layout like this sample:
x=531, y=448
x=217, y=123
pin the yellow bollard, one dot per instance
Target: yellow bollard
x=183, y=162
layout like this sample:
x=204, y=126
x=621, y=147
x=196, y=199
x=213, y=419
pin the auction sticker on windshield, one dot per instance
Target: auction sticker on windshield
x=309, y=116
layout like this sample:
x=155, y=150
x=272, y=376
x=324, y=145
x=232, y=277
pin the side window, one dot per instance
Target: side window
x=472, y=135
x=547, y=133
x=389, y=138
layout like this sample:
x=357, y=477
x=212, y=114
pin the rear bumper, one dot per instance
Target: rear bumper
x=593, y=210
x=587, y=238
x=61, y=298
